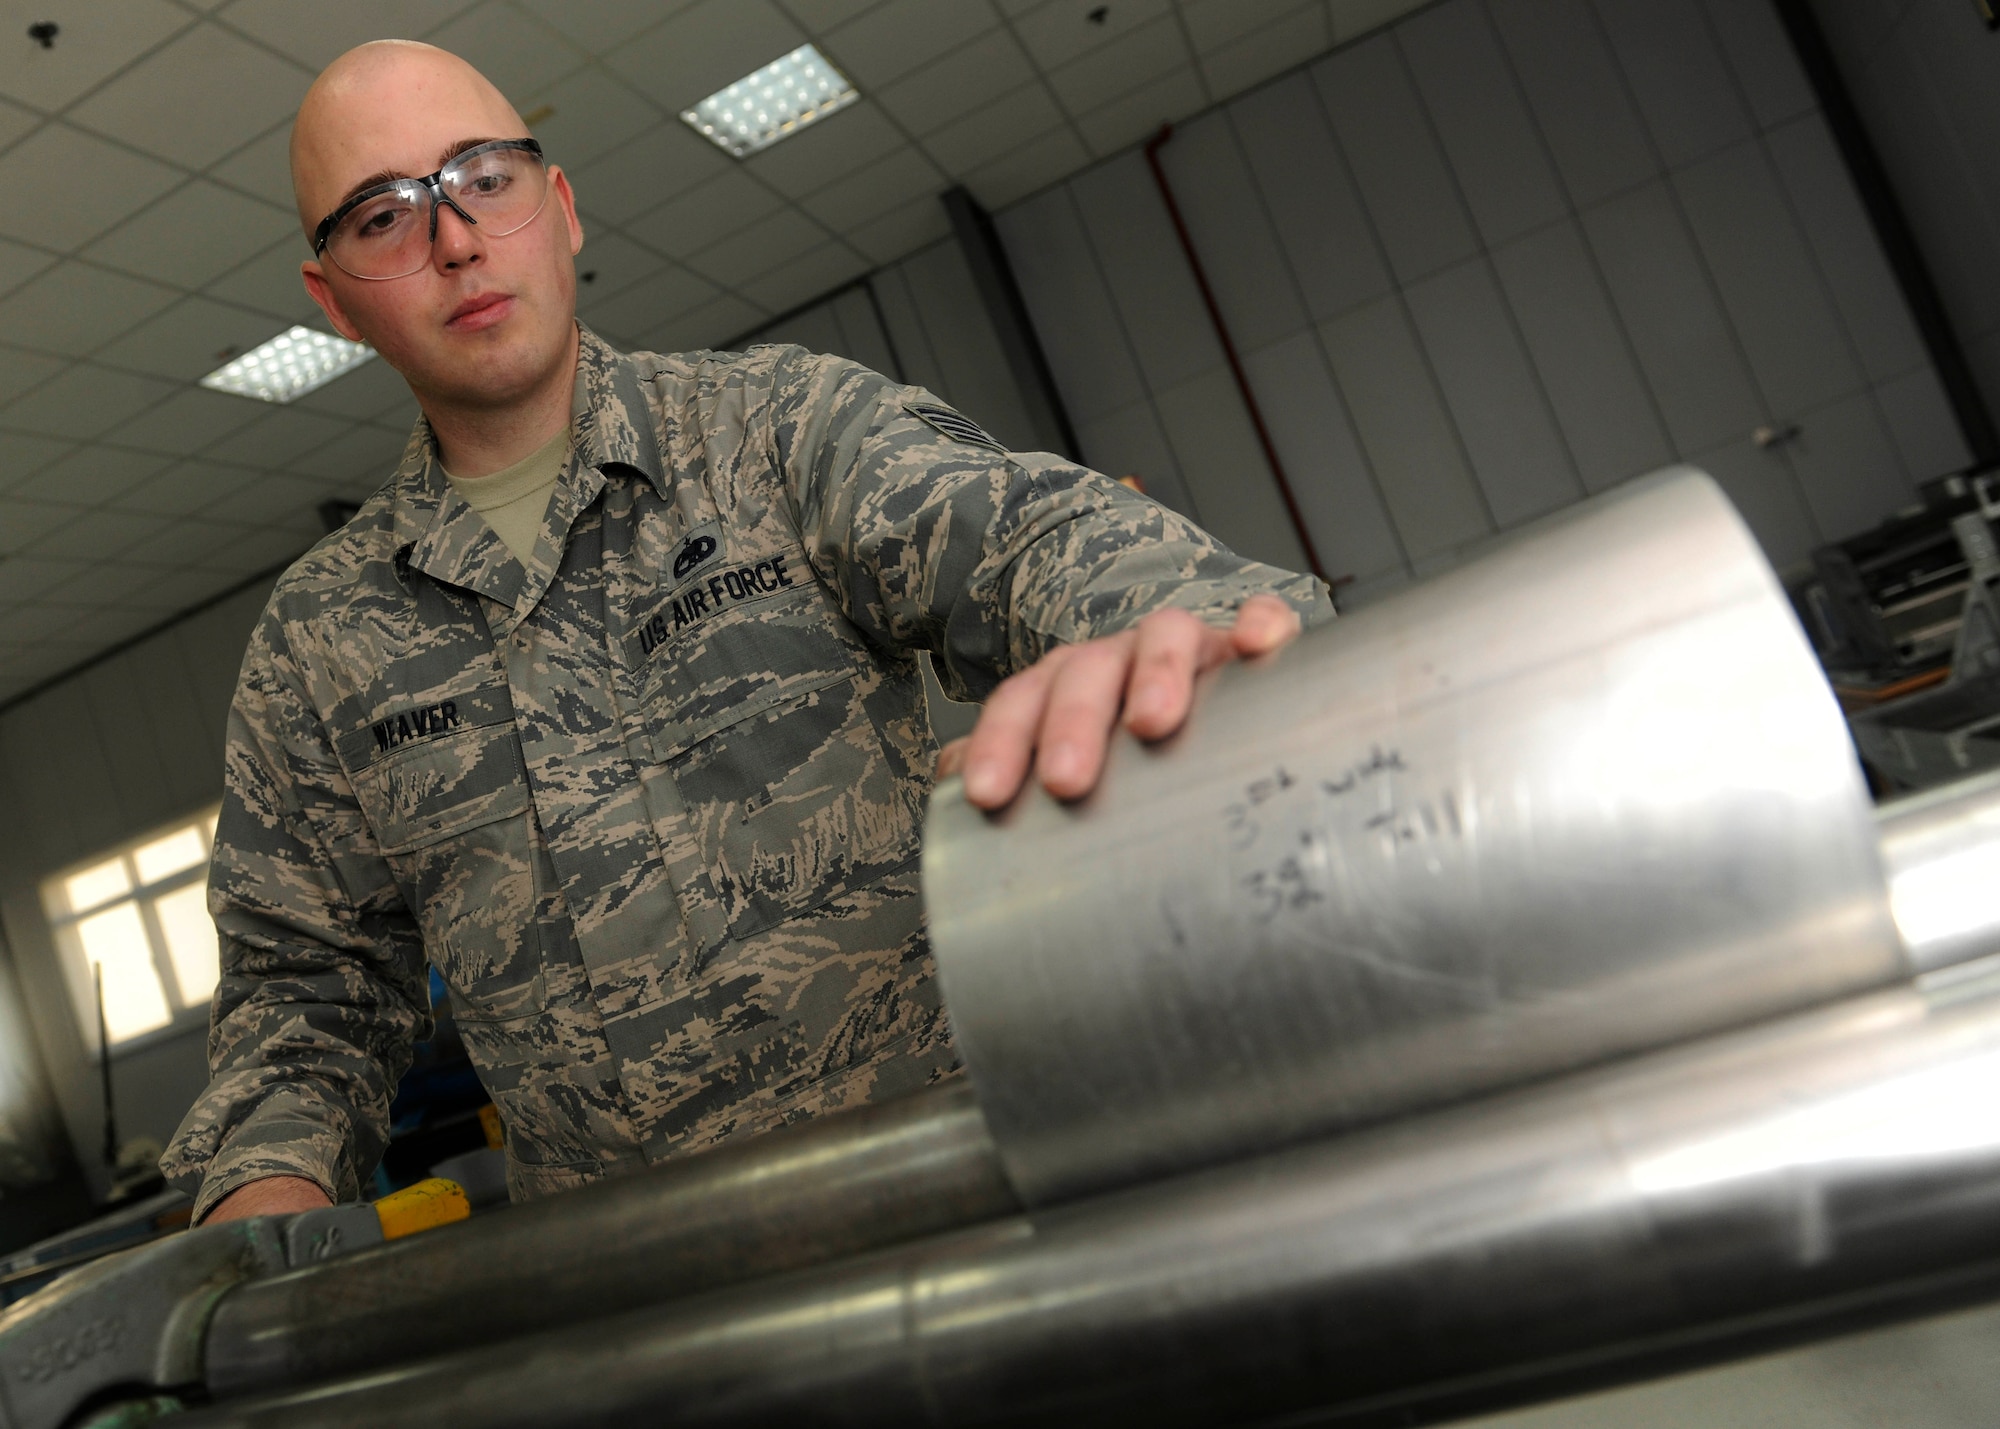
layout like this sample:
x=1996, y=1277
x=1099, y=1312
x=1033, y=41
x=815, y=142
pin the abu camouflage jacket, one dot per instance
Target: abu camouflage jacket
x=649, y=801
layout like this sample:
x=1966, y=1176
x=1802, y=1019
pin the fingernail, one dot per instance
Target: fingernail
x=1060, y=761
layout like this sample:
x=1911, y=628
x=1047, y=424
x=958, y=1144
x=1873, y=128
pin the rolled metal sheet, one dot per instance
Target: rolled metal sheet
x=861, y=1180
x=1775, y=1176
x=1586, y=795
x=1941, y=849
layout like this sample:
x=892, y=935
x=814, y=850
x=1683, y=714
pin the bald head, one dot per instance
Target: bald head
x=388, y=108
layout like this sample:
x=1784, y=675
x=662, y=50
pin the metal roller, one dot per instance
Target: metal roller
x=1586, y=795
x=1781, y=1178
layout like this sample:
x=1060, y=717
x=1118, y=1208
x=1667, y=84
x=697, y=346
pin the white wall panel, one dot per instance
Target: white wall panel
x=1132, y=442
x=1586, y=365
x=1576, y=92
x=1764, y=489
x=1504, y=420
x=1921, y=423
x=1386, y=135
x=1677, y=74
x=1496, y=155
x=1246, y=269
x=1780, y=309
x=1311, y=197
x=1330, y=476
x=1848, y=467
x=1404, y=428
x=1662, y=291
x=1761, y=58
x=1225, y=470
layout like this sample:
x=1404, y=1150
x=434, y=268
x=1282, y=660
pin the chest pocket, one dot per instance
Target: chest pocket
x=445, y=792
x=782, y=785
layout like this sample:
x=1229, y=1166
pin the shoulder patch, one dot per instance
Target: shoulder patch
x=956, y=425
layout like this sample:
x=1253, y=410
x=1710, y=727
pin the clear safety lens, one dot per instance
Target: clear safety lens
x=389, y=236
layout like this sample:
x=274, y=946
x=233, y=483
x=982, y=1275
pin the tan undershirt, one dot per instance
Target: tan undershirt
x=514, y=500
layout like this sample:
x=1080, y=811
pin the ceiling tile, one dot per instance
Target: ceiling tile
x=118, y=582
x=90, y=476
x=37, y=622
x=108, y=627
x=660, y=161
x=518, y=51
x=957, y=83
x=699, y=50
x=649, y=304
x=886, y=184
x=22, y=371
x=840, y=145
x=84, y=185
x=19, y=263
x=1035, y=165
x=73, y=308
x=1292, y=41
x=1132, y=117
x=691, y=221
x=98, y=535
x=262, y=168
x=181, y=589
x=188, y=340
x=271, y=499
x=759, y=248
x=277, y=438
x=191, y=419
x=1352, y=18
x=899, y=234
x=611, y=261
x=197, y=232
x=185, y=488
x=1061, y=30
x=316, y=35
x=23, y=523
x=97, y=39
x=997, y=129
x=1111, y=71
x=1214, y=23
x=722, y=320
x=84, y=402
x=359, y=394
x=15, y=122
x=187, y=542
x=896, y=38
x=21, y=455
x=592, y=114
x=254, y=551
x=270, y=283
x=806, y=277
x=195, y=99
x=26, y=577
x=603, y=25
x=820, y=16
x=362, y=452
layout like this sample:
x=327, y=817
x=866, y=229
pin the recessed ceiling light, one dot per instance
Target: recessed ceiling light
x=289, y=365
x=777, y=101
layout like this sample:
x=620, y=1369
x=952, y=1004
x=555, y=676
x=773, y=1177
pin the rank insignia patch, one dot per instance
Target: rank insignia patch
x=956, y=425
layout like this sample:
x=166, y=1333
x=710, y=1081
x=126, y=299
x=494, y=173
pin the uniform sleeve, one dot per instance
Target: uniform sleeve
x=323, y=990
x=935, y=538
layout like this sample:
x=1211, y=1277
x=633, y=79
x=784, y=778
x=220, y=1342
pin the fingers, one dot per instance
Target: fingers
x=1001, y=744
x=1083, y=706
x=951, y=758
x=1172, y=648
x=1262, y=625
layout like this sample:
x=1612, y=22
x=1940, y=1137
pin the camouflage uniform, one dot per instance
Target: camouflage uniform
x=651, y=800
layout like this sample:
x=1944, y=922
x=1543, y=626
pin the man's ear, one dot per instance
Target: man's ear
x=321, y=292
x=567, y=199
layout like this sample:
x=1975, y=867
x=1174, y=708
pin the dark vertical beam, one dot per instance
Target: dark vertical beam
x=1000, y=295
x=1892, y=228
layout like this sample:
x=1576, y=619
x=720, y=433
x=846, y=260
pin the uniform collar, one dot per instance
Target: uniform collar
x=438, y=533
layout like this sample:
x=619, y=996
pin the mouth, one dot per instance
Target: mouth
x=481, y=310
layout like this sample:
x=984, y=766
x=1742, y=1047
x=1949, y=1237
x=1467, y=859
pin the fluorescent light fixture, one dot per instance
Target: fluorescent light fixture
x=289, y=365
x=777, y=101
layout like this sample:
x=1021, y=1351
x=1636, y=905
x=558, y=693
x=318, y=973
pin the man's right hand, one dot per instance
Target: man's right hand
x=272, y=1196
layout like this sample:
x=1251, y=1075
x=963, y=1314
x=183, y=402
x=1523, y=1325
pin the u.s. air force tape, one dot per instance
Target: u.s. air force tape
x=956, y=425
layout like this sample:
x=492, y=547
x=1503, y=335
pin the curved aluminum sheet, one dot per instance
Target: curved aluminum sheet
x=1586, y=795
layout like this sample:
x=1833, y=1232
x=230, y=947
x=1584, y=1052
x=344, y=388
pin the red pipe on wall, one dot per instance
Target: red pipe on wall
x=1153, y=147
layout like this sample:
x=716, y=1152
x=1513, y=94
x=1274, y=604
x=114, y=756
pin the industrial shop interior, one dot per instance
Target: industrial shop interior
x=1000, y=712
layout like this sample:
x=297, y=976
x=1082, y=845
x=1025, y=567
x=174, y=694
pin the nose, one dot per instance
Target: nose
x=458, y=243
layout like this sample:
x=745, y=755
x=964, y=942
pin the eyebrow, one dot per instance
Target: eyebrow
x=389, y=176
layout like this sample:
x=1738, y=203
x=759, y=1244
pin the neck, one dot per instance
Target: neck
x=475, y=441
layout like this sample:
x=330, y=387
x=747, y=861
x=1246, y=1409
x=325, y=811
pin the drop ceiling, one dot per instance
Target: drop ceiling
x=147, y=235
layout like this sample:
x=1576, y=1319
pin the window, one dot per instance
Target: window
x=139, y=914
